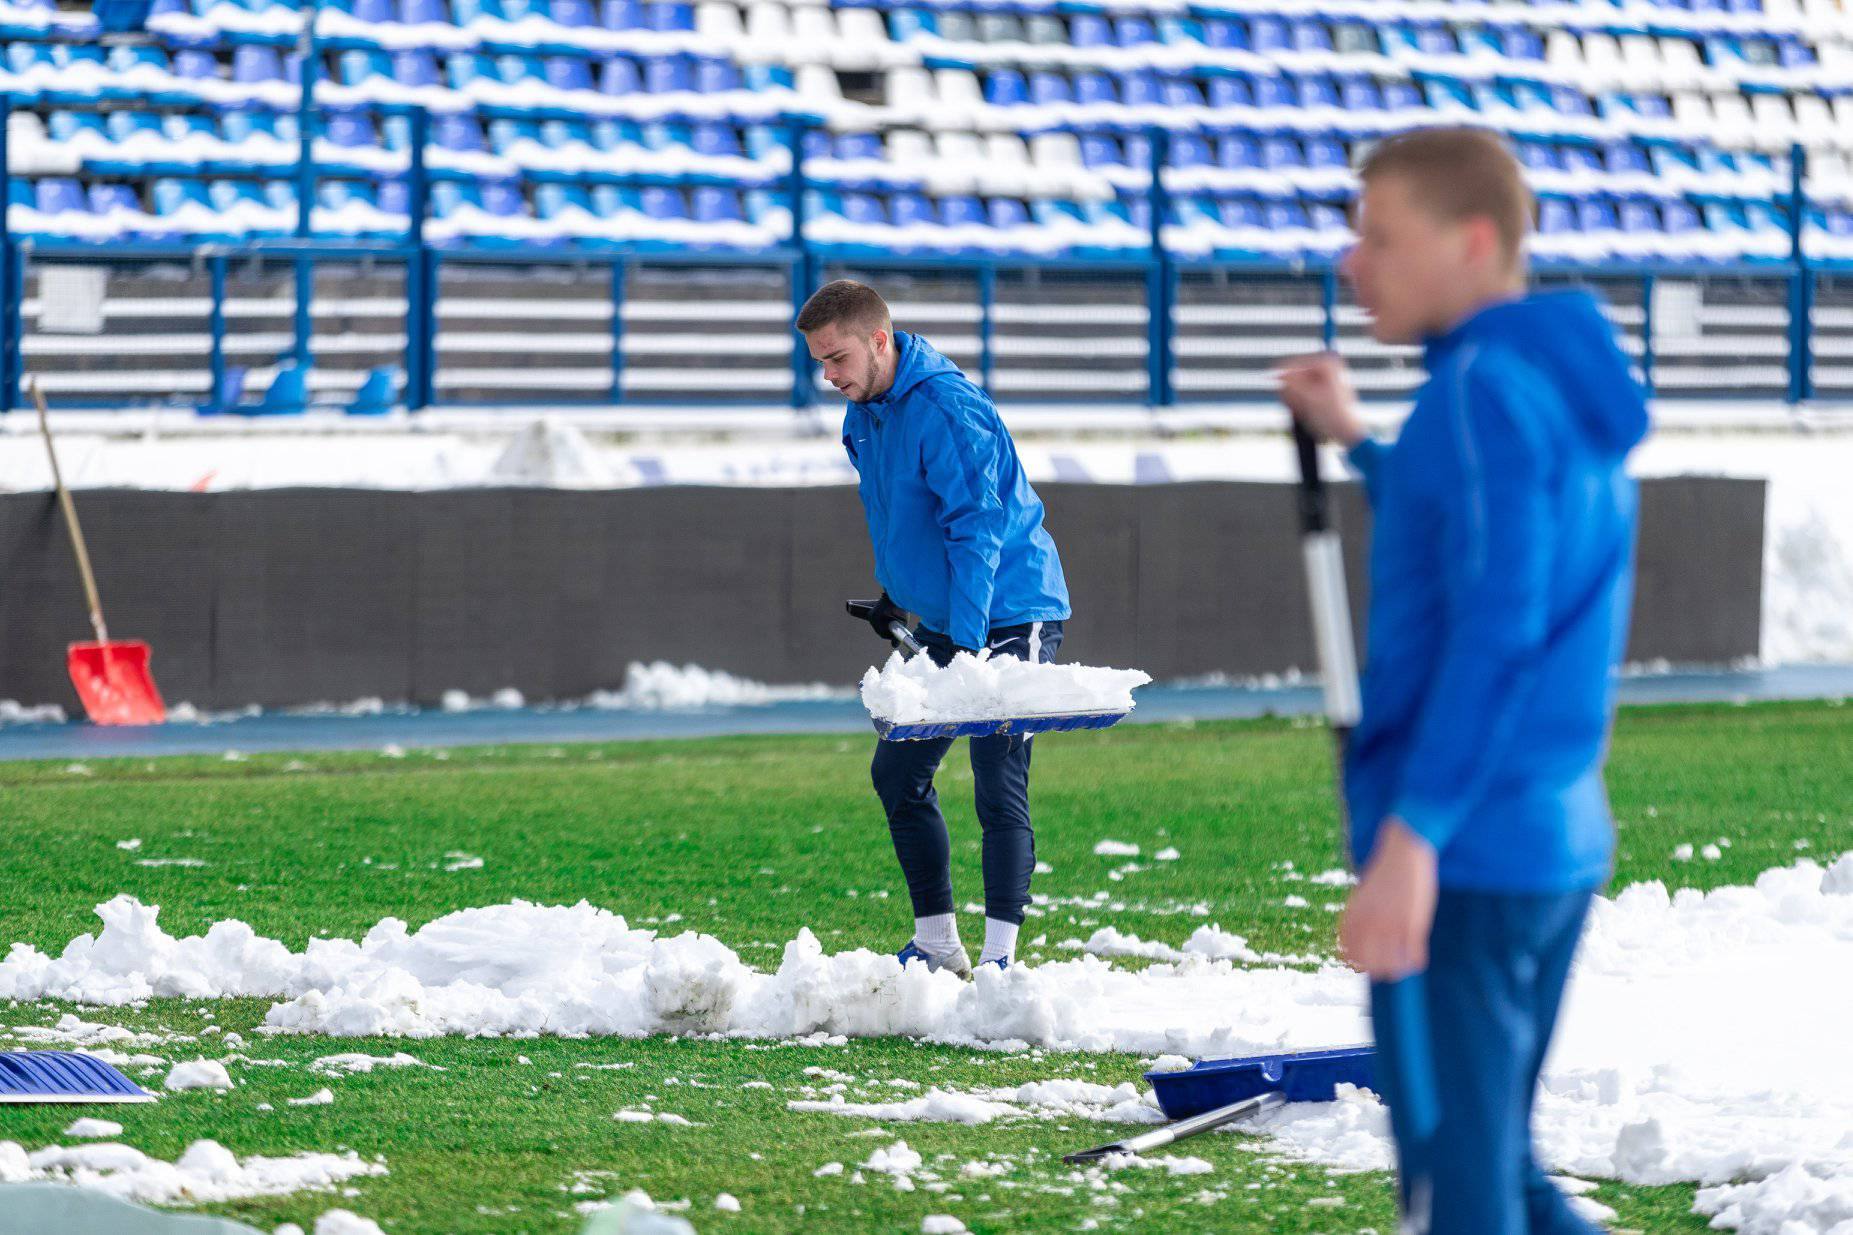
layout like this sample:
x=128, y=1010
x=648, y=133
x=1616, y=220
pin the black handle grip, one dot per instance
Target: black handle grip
x=861, y=610
x=1314, y=516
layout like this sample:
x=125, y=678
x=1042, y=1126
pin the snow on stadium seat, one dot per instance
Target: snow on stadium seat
x=83, y=133
x=959, y=97
x=1602, y=59
x=1774, y=119
x=508, y=135
x=244, y=210
x=81, y=77
x=122, y=208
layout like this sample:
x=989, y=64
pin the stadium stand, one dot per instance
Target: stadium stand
x=1653, y=133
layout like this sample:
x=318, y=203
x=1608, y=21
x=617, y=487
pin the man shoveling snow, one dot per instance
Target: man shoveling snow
x=959, y=540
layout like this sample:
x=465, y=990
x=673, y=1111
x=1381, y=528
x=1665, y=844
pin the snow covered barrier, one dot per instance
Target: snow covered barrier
x=916, y=691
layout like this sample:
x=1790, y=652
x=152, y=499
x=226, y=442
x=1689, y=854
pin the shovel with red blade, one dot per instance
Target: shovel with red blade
x=111, y=677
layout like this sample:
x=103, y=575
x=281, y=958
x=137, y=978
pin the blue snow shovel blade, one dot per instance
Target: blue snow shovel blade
x=64, y=1076
x=1298, y=1076
x=1051, y=722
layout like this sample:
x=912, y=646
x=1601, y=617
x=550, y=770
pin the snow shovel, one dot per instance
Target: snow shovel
x=1216, y=1092
x=1331, y=607
x=111, y=678
x=1036, y=722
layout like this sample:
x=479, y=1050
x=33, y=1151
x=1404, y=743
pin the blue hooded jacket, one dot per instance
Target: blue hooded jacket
x=1501, y=573
x=956, y=527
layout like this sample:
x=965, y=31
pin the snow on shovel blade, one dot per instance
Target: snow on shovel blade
x=114, y=683
x=1049, y=722
x=1298, y=1076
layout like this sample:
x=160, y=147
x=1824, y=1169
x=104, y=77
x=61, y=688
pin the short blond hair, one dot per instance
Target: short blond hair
x=1459, y=173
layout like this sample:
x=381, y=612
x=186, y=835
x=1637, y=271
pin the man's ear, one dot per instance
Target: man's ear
x=881, y=340
x=1485, y=246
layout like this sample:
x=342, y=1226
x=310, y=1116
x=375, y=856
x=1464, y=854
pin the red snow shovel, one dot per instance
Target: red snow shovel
x=111, y=678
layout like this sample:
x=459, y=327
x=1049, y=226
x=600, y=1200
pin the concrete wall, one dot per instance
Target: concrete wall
x=284, y=597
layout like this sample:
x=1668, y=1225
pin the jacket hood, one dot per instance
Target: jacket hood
x=1566, y=335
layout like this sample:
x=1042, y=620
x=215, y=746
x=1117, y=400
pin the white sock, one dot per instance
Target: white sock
x=1000, y=941
x=938, y=934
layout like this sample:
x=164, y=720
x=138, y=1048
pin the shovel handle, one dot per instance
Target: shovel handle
x=1181, y=1130
x=70, y=521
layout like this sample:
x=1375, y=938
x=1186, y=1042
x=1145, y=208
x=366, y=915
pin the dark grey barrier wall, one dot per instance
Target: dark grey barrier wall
x=284, y=597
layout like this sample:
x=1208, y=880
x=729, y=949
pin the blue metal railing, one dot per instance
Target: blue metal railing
x=801, y=260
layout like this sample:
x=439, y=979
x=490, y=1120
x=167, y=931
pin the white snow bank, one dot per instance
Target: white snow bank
x=984, y=687
x=207, y=1171
x=661, y=686
x=1757, y=1079
x=1056, y=1099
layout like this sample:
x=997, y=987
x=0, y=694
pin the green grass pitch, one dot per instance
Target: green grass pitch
x=749, y=840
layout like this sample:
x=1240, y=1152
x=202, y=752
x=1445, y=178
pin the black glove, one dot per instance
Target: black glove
x=879, y=614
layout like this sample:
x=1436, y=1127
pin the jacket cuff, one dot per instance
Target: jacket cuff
x=1434, y=822
x=1365, y=456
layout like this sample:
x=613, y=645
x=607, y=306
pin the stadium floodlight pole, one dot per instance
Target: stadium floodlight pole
x=1330, y=604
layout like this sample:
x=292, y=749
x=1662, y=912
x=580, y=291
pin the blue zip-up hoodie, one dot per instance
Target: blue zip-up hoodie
x=956, y=527
x=1501, y=574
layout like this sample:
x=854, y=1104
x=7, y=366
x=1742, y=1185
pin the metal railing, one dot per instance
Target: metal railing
x=1169, y=329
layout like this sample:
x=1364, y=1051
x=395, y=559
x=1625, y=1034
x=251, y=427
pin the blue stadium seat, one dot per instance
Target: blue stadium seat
x=373, y=12
x=459, y=132
x=906, y=24
x=609, y=135
x=515, y=69
x=1238, y=153
x=1358, y=93
x=60, y=195
x=859, y=146
x=574, y=15
x=1181, y=92
x=1225, y=33
x=1134, y=31
x=661, y=203
x=1047, y=89
x=463, y=68
x=959, y=210
x=1094, y=88
x=251, y=64
x=1177, y=30
x=619, y=76
x=503, y=199
x=1099, y=150
x=1402, y=96
x=1231, y=92
x=1272, y=91
x=722, y=141
x=1270, y=35
x=1007, y=213
x=621, y=15
x=913, y=210
x=1006, y=88
x=506, y=133
x=1311, y=36
x=718, y=205
x=463, y=12
x=760, y=78
x=1141, y=89
x=417, y=69
x=716, y=75
x=569, y=73
x=668, y=74
x=424, y=12
x=668, y=17
x=1190, y=150
x=521, y=10
x=359, y=67
x=1089, y=30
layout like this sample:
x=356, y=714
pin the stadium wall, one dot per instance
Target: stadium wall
x=286, y=597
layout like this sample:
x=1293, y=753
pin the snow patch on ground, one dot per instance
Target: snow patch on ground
x=93, y=1129
x=207, y=1171
x=1760, y=1096
x=198, y=1074
x=913, y=691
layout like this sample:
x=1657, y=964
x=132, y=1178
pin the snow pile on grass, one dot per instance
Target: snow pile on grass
x=1755, y=1085
x=207, y=1171
x=661, y=686
x=992, y=688
x=1054, y=1099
